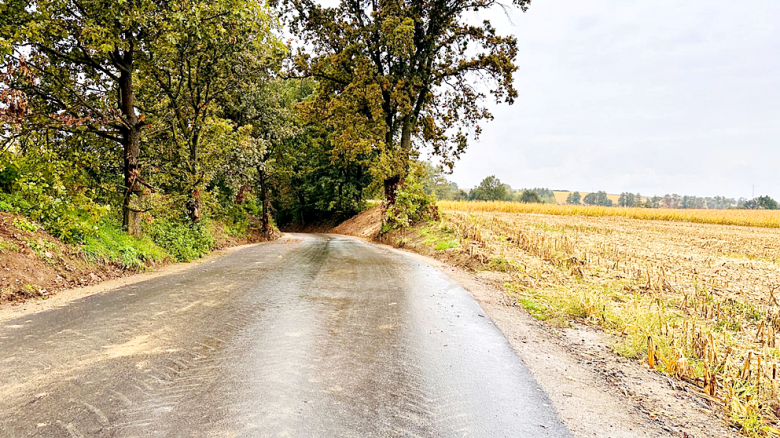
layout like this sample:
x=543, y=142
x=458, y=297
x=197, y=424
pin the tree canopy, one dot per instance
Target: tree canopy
x=573, y=198
x=149, y=115
x=399, y=75
x=490, y=189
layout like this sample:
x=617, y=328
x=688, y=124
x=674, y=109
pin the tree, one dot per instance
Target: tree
x=490, y=189
x=597, y=198
x=626, y=199
x=654, y=202
x=398, y=75
x=546, y=196
x=573, y=198
x=761, y=203
x=530, y=196
x=268, y=108
x=589, y=199
x=73, y=66
x=201, y=54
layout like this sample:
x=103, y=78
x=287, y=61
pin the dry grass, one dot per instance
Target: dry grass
x=696, y=301
x=751, y=218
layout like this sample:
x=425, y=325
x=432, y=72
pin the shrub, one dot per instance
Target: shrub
x=46, y=189
x=110, y=244
x=411, y=205
x=23, y=224
x=183, y=241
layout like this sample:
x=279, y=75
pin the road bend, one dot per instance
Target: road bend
x=309, y=336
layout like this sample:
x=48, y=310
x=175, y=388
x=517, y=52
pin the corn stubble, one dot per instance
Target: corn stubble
x=696, y=301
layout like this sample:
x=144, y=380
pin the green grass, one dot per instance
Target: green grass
x=535, y=309
x=446, y=244
x=6, y=246
x=109, y=244
x=440, y=237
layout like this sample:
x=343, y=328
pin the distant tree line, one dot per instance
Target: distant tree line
x=492, y=189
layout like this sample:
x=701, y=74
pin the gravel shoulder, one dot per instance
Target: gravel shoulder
x=595, y=392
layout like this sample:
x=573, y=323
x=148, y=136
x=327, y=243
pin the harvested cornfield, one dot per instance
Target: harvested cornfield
x=696, y=301
x=751, y=218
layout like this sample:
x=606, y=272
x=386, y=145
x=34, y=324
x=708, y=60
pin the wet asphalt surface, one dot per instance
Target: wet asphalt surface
x=318, y=336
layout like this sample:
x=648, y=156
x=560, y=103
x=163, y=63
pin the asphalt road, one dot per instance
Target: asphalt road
x=321, y=336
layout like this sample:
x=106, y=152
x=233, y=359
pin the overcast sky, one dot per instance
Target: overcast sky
x=661, y=96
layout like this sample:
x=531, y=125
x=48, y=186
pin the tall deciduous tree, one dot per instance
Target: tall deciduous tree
x=268, y=108
x=201, y=53
x=490, y=189
x=573, y=198
x=397, y=75
x=72, y=65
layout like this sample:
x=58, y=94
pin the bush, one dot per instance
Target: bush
x=236, y=221
x=183, y=241
x=37, y=186
x=530, y=197
x=412, y=205
x=110, y=244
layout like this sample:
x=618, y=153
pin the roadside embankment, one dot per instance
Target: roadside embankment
x=36, y=265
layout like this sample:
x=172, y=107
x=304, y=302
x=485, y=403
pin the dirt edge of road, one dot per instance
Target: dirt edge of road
x=18, y=309
x=596, y=392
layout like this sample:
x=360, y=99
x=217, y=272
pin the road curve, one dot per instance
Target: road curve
x=310, y=336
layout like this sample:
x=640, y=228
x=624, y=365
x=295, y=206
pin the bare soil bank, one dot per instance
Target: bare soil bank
x=35, y=266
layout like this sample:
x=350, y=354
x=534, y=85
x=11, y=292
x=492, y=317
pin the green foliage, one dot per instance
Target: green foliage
x=761, y=203
x=236, y=222
x=574, y=198
x=25, y=225
x=628, y=199
x=109, y=244
x=411, y=206
x=313, y=183
x=597, y=198
x=183, y=241
x=402, y=71
x=529, y=196
x=490, y=189
x=446, y=244
x=6, y=246
x=213, y=59
x=46, y=189
x=535, y=309
x=546, y=196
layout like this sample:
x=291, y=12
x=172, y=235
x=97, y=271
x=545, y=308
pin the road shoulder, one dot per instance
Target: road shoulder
x=595, y=392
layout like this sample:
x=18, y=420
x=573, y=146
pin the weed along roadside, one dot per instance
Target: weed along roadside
x=35, y=265
x=696, y=302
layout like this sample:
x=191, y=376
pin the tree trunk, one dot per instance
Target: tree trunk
x=131, y=145
x=243, y=191
x=391, y=186
x=194, y=204
x=265, y=220
x=393, y=182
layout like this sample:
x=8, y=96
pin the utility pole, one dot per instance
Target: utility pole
x=754, y=192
